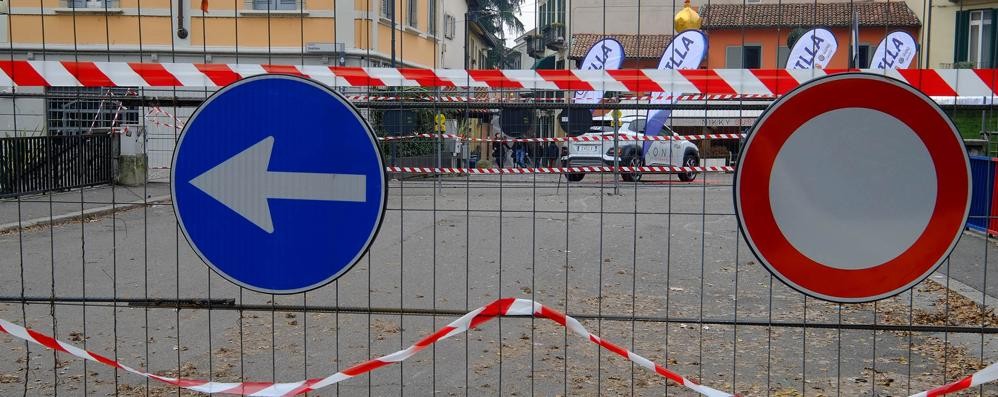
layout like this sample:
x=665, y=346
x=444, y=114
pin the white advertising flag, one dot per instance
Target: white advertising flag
x=895, y=51
x=606, y=54
x=686, y=51
x=814, y=50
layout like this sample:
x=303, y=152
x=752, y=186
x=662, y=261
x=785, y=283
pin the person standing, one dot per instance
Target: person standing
x=537, y=152
x=498, y=150
x=552, y=154
x=518, y=154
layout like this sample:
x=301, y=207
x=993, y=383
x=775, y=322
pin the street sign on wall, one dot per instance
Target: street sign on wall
x=278, y=184
x=853, y=198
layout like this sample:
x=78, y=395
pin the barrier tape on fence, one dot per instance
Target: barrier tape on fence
x=156, y=110
x=986, y=375
x=518, y=99
x=499, y=308
x=933, y=82
x=558, y=170
x=587, y=138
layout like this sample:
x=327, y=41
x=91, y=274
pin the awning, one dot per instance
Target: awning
x=547, y=62
x=713, y=117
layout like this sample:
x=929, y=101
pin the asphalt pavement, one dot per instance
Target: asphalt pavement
x=658, y=267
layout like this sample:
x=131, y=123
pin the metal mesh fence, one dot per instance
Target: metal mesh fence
x=482, y=207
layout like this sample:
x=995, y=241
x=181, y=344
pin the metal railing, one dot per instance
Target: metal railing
x=51, y=163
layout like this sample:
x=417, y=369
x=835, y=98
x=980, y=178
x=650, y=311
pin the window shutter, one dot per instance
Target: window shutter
x=733, y=57
x=992, y=41
x=287, y=4
x=962, y=28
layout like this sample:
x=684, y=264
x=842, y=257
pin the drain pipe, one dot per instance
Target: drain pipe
x=181, y=31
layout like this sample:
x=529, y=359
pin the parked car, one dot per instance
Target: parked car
x=630, y=153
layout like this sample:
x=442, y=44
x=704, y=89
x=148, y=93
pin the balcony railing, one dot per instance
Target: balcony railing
x=554, y=36
x=535, y=46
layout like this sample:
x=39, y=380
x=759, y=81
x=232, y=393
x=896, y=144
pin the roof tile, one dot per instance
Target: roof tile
x=737, y=16
x=652, y=45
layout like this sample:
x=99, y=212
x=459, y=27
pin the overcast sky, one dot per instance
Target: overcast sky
x=528, y=17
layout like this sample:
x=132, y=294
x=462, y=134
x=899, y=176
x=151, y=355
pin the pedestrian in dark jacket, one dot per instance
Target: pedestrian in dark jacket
x=537, y=151
x=499, y=150
x=552, y=154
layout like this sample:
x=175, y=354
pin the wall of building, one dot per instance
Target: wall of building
x=940, y=29
x=452, y=49
x=622, y=16
x=772, y=39
x=228, y=27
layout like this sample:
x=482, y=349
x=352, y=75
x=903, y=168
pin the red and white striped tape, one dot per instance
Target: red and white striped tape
x=986, y=375
x=933, y=82
x=518, y=99
x=558, y=170
x=588, y=138
x=499, y=308
x=172, y=121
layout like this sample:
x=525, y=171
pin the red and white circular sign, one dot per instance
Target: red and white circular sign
x=853, y=187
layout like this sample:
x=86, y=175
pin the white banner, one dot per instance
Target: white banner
x=606, y=54
x=686, y=51
x=813, y=50
x=895, y=51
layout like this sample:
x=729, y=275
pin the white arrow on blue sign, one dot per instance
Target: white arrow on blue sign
x=278, y=184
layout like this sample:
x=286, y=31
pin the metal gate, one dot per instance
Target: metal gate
x=504, y=265
x=39, y=164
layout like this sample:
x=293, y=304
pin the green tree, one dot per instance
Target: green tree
x=496, y=16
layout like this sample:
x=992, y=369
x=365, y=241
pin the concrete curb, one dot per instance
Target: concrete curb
x=98, y=211
x=966, y=291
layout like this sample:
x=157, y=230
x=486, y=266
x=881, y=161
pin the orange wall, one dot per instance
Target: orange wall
x=253, y=32
x=408, y=45
x=90, y=29
x=361, y=33
x=52, y=4
x=770, y=40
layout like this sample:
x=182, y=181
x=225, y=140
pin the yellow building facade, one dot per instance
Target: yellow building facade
x=336, y=32
x=958, y=34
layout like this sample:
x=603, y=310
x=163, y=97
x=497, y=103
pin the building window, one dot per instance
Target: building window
x=69, y=114
x=275, y=4
x=413, y=19
x=979, y=38
x=552, y=11
x=91, y=3
x=863, y=58
x=431, y=18
x=388, y=9
x=975, y=38
x=747, y=57
x=544, y=15
x=450, y=24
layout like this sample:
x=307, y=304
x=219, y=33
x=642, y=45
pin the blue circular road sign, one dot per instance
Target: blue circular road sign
x=278, y=184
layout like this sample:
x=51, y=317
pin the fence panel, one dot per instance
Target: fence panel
x=524, y=250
